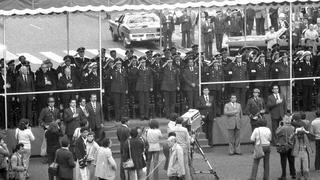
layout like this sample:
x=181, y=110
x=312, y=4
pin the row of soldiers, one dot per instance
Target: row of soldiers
x=162, y=79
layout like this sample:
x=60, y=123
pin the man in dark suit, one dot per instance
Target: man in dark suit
x=191, y=83
x=307, y=71
x=80, y=150
x=255, y=108
x=25, y=83
x=277, y=106
x=219, y=24
x=123, y=133
x=207, y=34
x=207, y=108
x=143, y=87
x=49, y=114
x=95, y=118
x=169, y=86
x=68, y=81
x=71, y=118
x=83, y=113
x=68, y=65
x=65, y=160
x=167, y=28
x=119, y=88
x=233, y=111
x=186, y=26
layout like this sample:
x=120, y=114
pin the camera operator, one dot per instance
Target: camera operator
x=184, y=140
x=207, y=110
x=255, y=108
x=284, y=147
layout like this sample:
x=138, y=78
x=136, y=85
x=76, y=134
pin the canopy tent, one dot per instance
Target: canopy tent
x=22, y=7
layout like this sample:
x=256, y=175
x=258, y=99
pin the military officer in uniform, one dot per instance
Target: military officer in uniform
x=167, y=28
x=191, y=83
x=93, y=80
x=144, y=87
x=239, y=73
x=81, y=60
x=215, y=74
x=156, y=73
x=119, y=88
x=169, y=86
x=284, y=73
x=263, y=72
x=307, y=71
x=186, y=26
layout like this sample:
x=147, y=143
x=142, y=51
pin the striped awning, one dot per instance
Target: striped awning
x=32, y=7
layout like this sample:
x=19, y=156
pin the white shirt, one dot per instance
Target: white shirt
x=262, y=133
x=25, y=137
x=171, y=125
x=153, y=137
x=272, y=39
x=311, y=34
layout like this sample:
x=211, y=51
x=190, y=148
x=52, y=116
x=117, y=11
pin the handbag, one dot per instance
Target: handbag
x=53, y=167
x=129, y=163
x=258, y=151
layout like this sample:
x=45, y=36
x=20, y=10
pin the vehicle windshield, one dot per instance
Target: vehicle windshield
x=141, y=19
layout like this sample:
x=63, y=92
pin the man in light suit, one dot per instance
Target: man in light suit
x=71, y=118
x=233, y=111
x=95, y=117
x=277, y=106
x=207, y=108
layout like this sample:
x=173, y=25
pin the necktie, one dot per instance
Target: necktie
x=25, y=78
x=73, y=111
x=94, y=107
x=207, y=99
x=277, y=98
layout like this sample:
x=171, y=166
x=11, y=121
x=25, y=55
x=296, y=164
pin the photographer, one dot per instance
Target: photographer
x=284, y=147
x=183, y=139
x=255, y=108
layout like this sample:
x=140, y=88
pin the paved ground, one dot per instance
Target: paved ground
x=227, y=167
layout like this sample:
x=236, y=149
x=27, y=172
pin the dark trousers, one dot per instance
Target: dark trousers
x=144, y=103
x=219, y=38
x=169, y=102
x=218, y=98
x=260, y=26
x=208, y=49
x=266, y=165
x=192, y=98
x=274, y=125
x=207, y=129
x=186, y=41
x=60, y=178
x=167, y=39
x=118, y=100
x=235, y=34
x=249, y=25
x=307, y=96
x=274, y=23
x=317, y=159
x=26, y=111
x=3, y=174
x=122, y=172
x=176, y=178
x=283, y=159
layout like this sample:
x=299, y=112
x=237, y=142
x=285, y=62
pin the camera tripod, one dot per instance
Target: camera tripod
x=196, y=146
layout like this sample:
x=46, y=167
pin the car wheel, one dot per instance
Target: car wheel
x=125, y=42
x=114, y=36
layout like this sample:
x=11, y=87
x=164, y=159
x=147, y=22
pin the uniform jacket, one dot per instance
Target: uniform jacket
x=219, y=25
x=144, y=80
x=239, y=73
x=215, y=76
x=66, y=163
x=167, y=23
x=233, y=120
x=119, y=81
x=307, y=71
x=95, y=117
x=284, y=73
x=277, y=111
x=190, y=77
x=170, y=79
x=46, y=116
x=71, y=122
x=263, y=72
x=93, y=81
x=254, y=106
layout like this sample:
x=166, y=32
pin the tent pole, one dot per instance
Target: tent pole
x=200, y=48
x=245, y=25
x=100, y=57
x=290, y=44
x=68, y=33
x=5, y=73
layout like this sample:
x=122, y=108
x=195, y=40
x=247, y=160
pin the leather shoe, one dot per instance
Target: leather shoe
x=238, y=154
